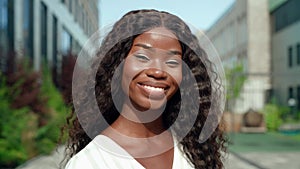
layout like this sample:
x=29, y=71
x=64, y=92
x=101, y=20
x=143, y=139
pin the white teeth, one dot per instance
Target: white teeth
x=154, y=88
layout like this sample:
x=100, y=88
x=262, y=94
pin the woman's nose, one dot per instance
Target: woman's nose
x=156, y=73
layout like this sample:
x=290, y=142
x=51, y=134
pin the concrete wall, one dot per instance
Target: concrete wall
x=285, y=76
x=259, y=50
x=242, y=35
x=229, y=33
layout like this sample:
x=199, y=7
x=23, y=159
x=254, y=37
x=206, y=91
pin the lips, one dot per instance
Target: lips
x=158, y=89
x=154, y=90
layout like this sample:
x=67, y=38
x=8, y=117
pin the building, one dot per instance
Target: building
x=285, y=24
x=242, y=35
x=45, y=30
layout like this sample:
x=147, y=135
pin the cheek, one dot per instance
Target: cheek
x=130, y=70
x=176, y=76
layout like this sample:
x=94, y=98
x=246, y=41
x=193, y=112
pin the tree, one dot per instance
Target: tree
x=235, y=80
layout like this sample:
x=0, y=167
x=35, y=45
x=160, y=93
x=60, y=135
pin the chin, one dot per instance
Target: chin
x=150, y=105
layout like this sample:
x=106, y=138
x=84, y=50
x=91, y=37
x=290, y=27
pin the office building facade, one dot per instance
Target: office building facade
x=45, y=30
x=285, y=24
x=242, y=36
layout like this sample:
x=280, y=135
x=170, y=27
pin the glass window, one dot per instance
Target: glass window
x=291, y=93
x=66, y=42
x=44, y=32
x=28, y=28
x=3, y=16
x=290, y=56
x=3, y=27
x=54, y=52
x=54, y=42
x=86, y=24
x=82, y=17
x=83, y=21
x=298, y=97
x=6, y=33
x=286, y=15
x=70, y=6
x=298, y=53
x=75, y=10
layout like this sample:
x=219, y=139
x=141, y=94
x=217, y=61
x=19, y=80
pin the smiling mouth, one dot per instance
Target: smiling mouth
x=154, y=91
x=158, y=89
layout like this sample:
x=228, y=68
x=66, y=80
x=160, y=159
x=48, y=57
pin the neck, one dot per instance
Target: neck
x=138, y=130
x=138, y=124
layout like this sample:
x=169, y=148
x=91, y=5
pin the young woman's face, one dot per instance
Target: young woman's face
x=153, y=69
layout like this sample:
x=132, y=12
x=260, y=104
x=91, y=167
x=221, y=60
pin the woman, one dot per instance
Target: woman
x=157, y=94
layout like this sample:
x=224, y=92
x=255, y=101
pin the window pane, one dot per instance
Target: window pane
x=298, y=54
x=298, y=97
x=286, y=14
x=6, y=34
x=28, y=28
x=290, y=56
x=66, y=42
x=44, y=32
x=291, y=92
x=54, y=41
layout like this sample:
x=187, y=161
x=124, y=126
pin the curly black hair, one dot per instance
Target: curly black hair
x=114, y=49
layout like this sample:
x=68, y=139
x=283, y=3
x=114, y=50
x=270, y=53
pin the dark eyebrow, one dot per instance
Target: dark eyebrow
x=143, y=46
x=175, y=52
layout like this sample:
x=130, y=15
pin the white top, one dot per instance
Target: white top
x=94, y=156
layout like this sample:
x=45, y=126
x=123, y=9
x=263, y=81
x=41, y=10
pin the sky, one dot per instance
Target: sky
x=201, y=14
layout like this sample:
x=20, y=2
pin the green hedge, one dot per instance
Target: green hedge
x=274, y=115
x=21, y=136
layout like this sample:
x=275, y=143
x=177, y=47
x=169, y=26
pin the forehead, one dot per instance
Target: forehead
x=160, y=38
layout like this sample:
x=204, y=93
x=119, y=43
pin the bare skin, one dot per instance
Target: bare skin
x=140, y=148
x=152, y=73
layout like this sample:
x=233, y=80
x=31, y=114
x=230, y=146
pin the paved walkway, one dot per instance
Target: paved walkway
x=267, y=160
x=253, y=160
x=267, y=142
x=248, y=151
x=45, y=162
x=266, y=151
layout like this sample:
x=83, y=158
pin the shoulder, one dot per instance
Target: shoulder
x=180, y=158
x=182, y=161
x=98, y=154
x=88, y=158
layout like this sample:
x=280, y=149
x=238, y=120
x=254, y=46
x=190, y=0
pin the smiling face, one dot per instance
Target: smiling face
x=153, y=69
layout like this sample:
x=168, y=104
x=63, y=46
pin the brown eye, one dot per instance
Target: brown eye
x=172, y=63
x=142, y=58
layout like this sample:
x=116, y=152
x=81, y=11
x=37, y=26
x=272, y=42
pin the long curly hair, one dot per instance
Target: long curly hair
x=114, y=49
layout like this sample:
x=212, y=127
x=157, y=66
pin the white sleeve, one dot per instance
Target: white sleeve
x=83, y=162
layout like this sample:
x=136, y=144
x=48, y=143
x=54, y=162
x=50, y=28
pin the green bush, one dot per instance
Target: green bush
x=12, y=125
x=48, y=135
x=274, y=115
x=235, y=81
x=21, y=134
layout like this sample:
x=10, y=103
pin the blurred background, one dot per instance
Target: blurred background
x=258, y=42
